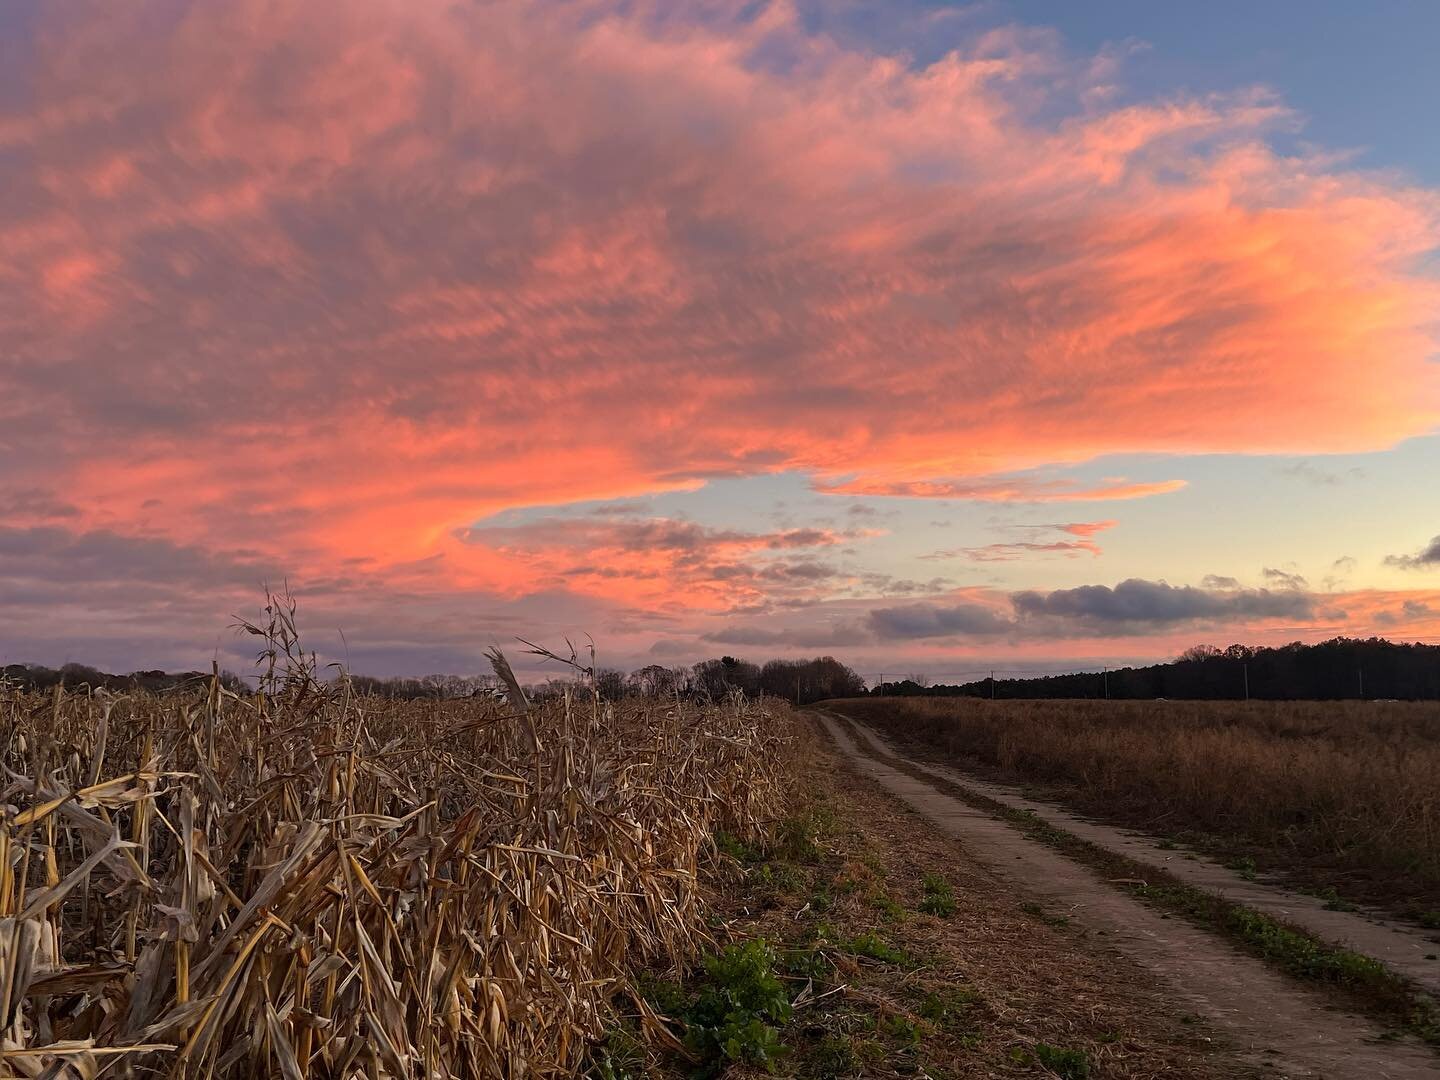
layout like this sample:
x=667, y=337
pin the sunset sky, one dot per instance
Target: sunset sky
x=937, y=337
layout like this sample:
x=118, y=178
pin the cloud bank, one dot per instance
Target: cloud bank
x=312, y=287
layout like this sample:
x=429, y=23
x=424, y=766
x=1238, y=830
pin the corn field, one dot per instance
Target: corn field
x=306, y=883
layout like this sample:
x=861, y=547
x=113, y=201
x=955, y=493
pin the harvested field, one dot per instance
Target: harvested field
x=1338, y=794
x=309, y=883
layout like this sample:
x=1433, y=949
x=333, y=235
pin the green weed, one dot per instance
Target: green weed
x=739, y=1011
x=875, y=947
x=902, y=1028
x=939, y=898
x=1334, y=901
x=730, y=844
x=620, y=1055
x=1070, y=1064
x=832, y=1058
x=882, y=902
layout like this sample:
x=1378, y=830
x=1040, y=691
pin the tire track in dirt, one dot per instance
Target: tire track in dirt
x=1270, y=1019
x=1405, y=950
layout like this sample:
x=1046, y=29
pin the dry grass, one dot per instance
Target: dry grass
x=306, y=883
x=1341, y=791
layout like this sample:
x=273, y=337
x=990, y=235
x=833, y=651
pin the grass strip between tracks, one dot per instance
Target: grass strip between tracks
x=1364, y=983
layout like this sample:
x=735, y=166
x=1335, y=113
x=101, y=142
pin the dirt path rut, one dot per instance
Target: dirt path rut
x=1269, y=1018
x=1404, y=949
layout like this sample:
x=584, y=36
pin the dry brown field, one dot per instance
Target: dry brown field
x=1342, y=795
x=309, y=883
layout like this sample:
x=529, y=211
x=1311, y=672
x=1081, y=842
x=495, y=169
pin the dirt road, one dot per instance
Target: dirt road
x=1272, y=1019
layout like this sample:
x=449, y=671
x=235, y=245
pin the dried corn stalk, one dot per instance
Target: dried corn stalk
x=307, y=884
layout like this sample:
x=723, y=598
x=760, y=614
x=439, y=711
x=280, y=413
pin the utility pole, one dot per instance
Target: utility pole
x=992, y=684
x=1362, y=683
x=1106, y=671
x=1246, y=669
x=882, y=684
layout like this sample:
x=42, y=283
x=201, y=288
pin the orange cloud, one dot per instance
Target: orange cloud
x=331, y=282
x=662, y=563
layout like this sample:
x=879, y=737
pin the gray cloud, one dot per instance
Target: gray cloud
x=1013, y=551
x=817, y=637
x=804, y=570
x=36, y=503
x=1132, y=605
x=913, y=621
x=1152, y=603
x=1283, y=579
x=45, y=552
x=1321, y=477
x=1425, y=559
x=1409, y=611
x=1218, y=581
x=888, y=585
x=650, y=534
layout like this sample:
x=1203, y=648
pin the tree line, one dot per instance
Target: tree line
x=74, y=676
x=1354, y=668
x=1341, y=668
x=798, y=681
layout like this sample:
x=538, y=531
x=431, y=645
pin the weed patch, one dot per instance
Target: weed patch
x=1069, y=1064
x=884, y=903
x=875, y=947
x=938, y=898
x=739, y=1010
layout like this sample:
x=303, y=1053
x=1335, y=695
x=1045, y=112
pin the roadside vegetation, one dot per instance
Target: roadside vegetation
x=1339, y=796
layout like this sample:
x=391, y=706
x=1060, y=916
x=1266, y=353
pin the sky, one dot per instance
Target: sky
x=941, y=338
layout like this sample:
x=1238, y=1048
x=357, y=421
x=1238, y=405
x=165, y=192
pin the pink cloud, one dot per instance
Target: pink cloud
x=661, y=563
x=334, y=281
x=1086, y=529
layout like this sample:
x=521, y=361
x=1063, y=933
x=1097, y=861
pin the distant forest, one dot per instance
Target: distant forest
x=800, y=681
x=1341, y=668
x=1353, y=668
x=40, y=677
